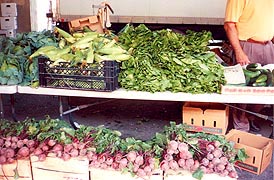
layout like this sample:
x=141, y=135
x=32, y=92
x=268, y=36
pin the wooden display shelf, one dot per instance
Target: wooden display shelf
x=19, y=169
x=55, y=168
x=106, y=174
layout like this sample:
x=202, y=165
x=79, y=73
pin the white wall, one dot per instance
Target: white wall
x=168, y=8
x=38, y=11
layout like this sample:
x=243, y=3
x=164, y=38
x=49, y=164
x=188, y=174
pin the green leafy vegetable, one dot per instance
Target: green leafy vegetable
x=241, y=155
x=14, y=63
x=168, y=61
x=198, y=174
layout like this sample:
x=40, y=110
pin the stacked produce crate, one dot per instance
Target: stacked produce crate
x=8, y=19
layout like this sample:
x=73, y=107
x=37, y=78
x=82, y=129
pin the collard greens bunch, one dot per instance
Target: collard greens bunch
x=15, y=68
x=168, y=61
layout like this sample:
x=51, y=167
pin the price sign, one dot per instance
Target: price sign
x=234, y=74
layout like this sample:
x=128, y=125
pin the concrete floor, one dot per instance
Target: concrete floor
x=135, y=118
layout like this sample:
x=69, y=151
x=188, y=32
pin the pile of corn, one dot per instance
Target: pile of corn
x=82, y=48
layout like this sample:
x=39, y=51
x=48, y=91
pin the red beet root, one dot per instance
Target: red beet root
x=3, y=159
x=23, y=152
x=9, y=153
x=131, y=156
x=57, y=147
x=51, y=142
x=173, y=145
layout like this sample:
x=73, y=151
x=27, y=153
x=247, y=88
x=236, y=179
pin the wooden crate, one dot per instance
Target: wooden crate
x=107, y=174
x=21, y=167
x=55, y=168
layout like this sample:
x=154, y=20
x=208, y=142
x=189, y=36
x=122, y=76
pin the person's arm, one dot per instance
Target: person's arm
x=232, y=35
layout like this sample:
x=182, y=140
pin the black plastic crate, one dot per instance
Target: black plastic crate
x=97, y=77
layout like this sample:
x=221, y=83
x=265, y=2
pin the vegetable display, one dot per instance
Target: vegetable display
x=14, y=65
x=173, y=148
x=168, y=61
x=256, y=75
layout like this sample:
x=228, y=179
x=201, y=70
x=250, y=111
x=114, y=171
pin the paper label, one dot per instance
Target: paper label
x=205, y=129
x=246, y=90
x=246, y=166
x=234, y=74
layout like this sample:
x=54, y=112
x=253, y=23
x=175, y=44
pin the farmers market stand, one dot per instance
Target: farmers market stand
x=124, y=94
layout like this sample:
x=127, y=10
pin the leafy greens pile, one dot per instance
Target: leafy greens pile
x=15, y=68
x=167, y=61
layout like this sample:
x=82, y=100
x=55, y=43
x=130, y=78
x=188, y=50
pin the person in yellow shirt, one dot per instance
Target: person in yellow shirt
x=249, y=25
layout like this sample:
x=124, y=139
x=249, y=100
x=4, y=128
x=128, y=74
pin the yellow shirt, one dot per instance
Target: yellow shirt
x=254, y=18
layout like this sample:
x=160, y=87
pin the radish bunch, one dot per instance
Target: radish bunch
x=104, y=148
x=215, y=160
x=64, y=151
x=177, y=156
x=208, y=157
x=12, y=148
x=140, y=164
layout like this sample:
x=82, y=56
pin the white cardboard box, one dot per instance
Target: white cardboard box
x=8, y=22
x=10, y=33
x=2, y=32
x=8, y=9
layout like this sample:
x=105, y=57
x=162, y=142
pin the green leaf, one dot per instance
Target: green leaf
x=198, y=174
x=203, y=67
x=130, y=140
x=27, y=50
x=63, y=137
x=146, y=146
x=160, y=139
x=118, y=133
x=69, y=131
x=3, y=80
x=32, y=130
x=241, y=154
x=177, y=61
x=13, y=81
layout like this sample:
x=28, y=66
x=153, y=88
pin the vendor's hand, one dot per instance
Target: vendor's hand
x=242, y=59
